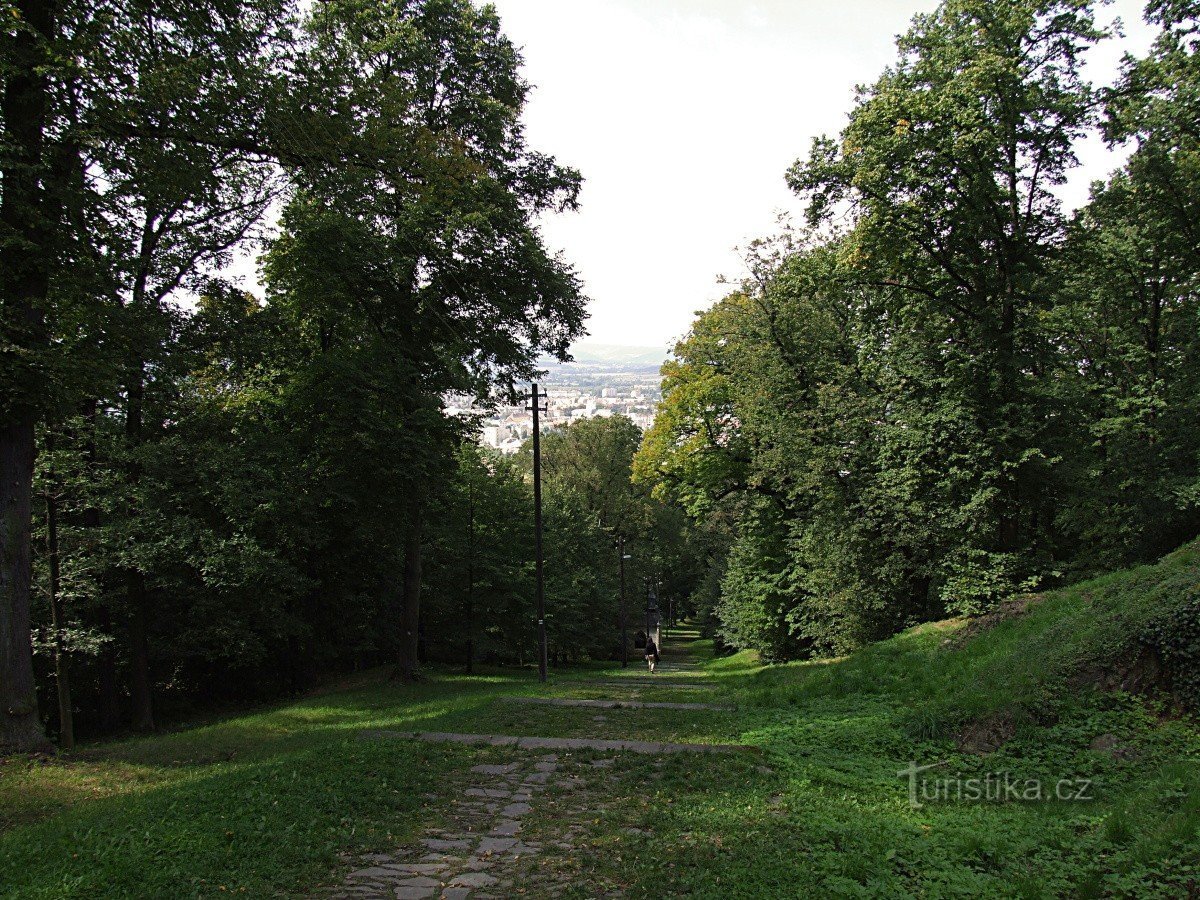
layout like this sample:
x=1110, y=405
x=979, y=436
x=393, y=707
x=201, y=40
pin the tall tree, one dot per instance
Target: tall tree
x=949, y=163
x=418, y=263
x=175, y=205
x=123, y=133
x=28, y=220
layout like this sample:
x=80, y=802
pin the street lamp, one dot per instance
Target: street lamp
x=652, y=613
x=622, y=556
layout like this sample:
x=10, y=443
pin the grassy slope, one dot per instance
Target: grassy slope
x=264, y=803
x=838, y=732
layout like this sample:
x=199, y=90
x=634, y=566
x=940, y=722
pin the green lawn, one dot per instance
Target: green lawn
x=274, y=803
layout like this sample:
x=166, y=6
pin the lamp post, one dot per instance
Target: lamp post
x=652, y=613
x=622, y=556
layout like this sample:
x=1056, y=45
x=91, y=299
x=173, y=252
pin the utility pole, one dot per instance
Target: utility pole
x=624, y=628
x=536, y=407
x=471, y=574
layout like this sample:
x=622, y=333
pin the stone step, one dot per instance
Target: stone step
x=549, y=743
x=636, y=683
x=614, y=704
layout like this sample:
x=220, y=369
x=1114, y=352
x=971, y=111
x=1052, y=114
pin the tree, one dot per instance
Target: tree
x=172, y=208
x=27, y=220
x=591, y=499
x=480, y=568
x=960, y=391
x=141, y=148
x=948, y=164
x=419, y=264
x=1127, y=316
x=118, y=194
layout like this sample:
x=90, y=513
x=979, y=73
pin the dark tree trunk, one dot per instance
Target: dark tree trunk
x=24, y=284
x=20, y=724
x=408, y=666
x=62, y=669
x=139, y=649
x=470, y=623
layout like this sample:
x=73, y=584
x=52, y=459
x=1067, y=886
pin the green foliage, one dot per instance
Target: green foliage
x=590, y=502
x=947, y=390
x=479, y=578
x=1174, y=637
x=243, y=481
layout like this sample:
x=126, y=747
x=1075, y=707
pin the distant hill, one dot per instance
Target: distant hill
x=588, y=353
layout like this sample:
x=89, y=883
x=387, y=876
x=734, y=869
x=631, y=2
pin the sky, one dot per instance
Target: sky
x=683, y=116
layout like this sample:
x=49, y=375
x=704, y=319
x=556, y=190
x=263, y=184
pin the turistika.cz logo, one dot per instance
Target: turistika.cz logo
x=992, y=787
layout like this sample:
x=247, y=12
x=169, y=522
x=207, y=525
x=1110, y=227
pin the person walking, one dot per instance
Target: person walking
x=651, y=654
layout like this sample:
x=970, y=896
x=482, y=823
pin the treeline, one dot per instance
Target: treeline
x=212, y=495
x=948, y=388
x=479, y=578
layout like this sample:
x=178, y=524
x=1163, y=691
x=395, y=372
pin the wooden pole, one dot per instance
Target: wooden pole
x=624, y=626
x=537, y=532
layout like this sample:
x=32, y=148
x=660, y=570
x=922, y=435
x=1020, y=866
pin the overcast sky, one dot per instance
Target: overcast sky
x=683, y=116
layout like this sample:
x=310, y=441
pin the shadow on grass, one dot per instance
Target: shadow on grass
x=275, y=824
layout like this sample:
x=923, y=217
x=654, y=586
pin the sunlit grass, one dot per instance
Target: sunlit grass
x=269, y=802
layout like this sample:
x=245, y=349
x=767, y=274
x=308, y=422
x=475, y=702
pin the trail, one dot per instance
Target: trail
x=524, y=822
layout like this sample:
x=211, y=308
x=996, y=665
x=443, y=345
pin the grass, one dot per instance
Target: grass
x=273, y=803
x=257, y=804
x=835, y=818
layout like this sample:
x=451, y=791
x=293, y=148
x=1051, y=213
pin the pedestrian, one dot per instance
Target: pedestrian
x=651, y=654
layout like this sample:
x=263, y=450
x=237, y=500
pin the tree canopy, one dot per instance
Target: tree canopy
x=948, y=388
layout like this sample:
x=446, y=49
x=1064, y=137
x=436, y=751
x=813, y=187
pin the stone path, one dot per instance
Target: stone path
x=478, y=857
x=480, y=847
x=549, y=743
x=614, y=704
x=637, y=682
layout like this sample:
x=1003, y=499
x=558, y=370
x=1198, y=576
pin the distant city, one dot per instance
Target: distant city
x=603, y=380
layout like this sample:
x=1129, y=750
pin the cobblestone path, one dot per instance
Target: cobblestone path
x=515, y=827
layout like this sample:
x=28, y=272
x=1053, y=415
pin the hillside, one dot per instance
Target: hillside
x=827, y=797
x=610, y=358
x=619, y=354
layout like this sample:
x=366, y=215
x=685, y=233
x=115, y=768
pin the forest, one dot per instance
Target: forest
x=944, y=388
x=941, y=389
x=214, y=496
x=920, y=506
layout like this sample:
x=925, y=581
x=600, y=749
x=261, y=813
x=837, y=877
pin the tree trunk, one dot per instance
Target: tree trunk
x=410, y=615
x=20, y=724
x=62, y=671
x=135, y=580
x=470, y=623
x=24, y=285
x=139, y=662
